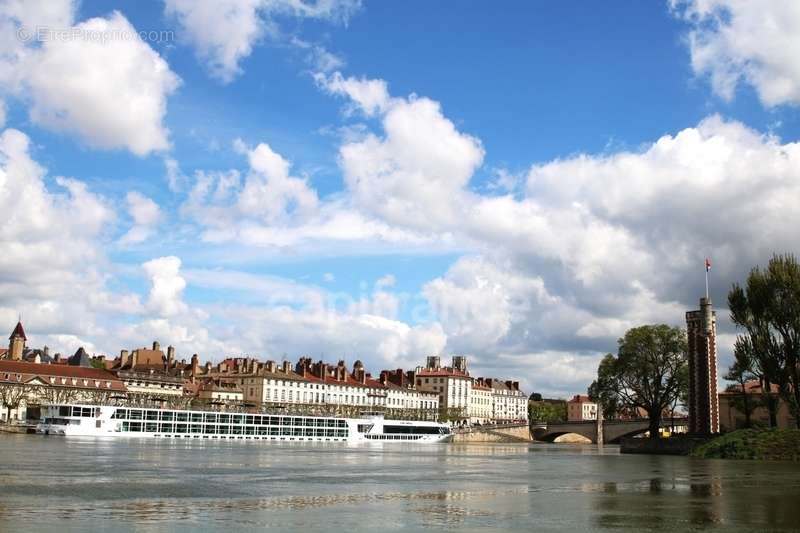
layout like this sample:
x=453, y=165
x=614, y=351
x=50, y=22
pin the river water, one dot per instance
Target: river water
x=51, y=483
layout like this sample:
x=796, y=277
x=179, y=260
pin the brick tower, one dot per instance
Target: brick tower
x=701, y=327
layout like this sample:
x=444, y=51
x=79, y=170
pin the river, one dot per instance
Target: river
x=57, y=484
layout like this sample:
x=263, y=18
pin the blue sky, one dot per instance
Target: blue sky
x=527, y=181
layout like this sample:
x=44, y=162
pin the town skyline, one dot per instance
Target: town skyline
x=345, y=180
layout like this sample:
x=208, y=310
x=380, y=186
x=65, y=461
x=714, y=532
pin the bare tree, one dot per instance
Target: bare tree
x=12, y=396
x=55, y=395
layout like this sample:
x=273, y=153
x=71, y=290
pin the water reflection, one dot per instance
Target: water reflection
x=115, y=484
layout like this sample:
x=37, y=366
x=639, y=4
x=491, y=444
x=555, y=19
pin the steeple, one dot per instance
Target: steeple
x=16, y=344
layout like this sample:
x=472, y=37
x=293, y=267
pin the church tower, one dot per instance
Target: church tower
x=701, y=327
x=16, y=344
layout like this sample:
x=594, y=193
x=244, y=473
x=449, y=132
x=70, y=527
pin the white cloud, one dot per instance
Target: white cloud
x=166, y=293
x=146, y=216
x=736, y=41
x=371, y=96
x=386, y=281
x=224, y=33
x=103, y=83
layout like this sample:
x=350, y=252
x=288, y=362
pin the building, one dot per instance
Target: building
x=509, y=404
x=701, y=328
x=731, y=407
x=218, y=393
x=150, y=374
x=320, y=387
x=16, y=343
x=24, y=385
x=452, y=384
x=580, y=408
x=481, y=406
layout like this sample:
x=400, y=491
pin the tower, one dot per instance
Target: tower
x=16, y=343
x=701, y=327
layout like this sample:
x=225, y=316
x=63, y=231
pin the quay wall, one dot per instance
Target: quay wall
x=504, y=435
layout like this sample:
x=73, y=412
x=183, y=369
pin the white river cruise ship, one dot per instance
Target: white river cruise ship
x=110, y=421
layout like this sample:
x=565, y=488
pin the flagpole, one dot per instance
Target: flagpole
x=706, y=283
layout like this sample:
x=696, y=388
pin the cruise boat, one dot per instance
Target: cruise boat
x=111, y=421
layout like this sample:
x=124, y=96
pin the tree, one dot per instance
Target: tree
x=56, y=395
x=741, y=372
x=768, y=310
x=12, y=396
x=547, y=411
x=649, y=373
x=602, y=389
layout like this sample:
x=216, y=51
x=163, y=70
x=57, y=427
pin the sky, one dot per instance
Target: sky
x=519, y=182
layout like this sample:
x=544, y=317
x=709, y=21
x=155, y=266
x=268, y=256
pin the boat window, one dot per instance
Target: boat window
x=211, y=418
x=121, y=413
x=167, y=428
x=274, y=421
x=236, y=419
x=135, y=414
x=197, y=428
x=181, y=417
x=286, y=421
x=365, y=428
x=225, y=419
x=151, y=415
x=167, y=415
x=135, y=426
x=151, y=427
x=236, y=430
x=197, y=417
x=180, y=428
x=250, y=419
x=210, y=429
x=224, y=430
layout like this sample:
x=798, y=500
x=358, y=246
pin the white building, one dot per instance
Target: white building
x=452, y=384
x=481, y=406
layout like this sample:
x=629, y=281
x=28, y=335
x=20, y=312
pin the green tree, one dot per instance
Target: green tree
x=649, y=373
x=768, y=310
x=602, y=389
x=547, y=411
x=741, y=372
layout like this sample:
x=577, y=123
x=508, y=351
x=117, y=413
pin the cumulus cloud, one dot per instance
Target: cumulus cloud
x=53, y=269
x=735, y=41
x=370, y=96
x=224, y=33
x=145, y=214
x=166, y=293
x=112, y=91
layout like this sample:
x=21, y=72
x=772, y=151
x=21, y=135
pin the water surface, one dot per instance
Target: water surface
x=51, y=483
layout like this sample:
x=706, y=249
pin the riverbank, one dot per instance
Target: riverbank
x=767, y=445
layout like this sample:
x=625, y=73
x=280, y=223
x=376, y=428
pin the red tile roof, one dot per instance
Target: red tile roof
x=442, y=372
x=22, y=372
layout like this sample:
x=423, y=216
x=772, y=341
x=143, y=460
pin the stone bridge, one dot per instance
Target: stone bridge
x=613, y=430
x=497, y=433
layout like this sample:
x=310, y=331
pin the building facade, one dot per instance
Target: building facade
x=452, y=384
x=580, y=408
x=701, y=328
x=24, y=384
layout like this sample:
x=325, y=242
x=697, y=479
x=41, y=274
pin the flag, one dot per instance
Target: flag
x=708, y=264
